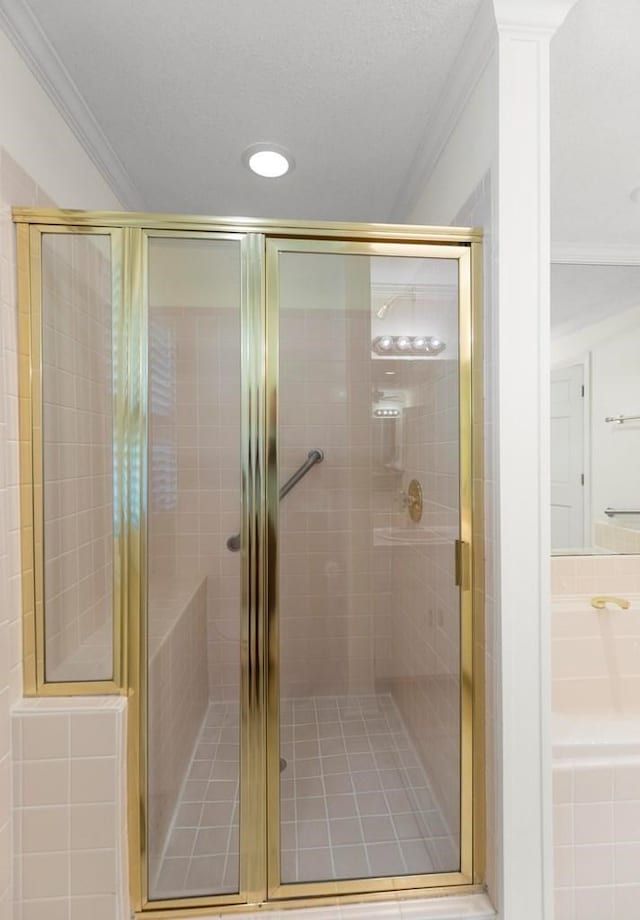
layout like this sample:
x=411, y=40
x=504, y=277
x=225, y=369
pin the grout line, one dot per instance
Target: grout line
x=393, y=736
x=355, y=792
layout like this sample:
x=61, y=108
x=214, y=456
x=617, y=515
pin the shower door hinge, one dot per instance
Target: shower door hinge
x=462, y=564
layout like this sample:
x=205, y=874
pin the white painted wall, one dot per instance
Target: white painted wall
x=615, y=390
x=469, y=153
x=34, y=133
x=41, y=162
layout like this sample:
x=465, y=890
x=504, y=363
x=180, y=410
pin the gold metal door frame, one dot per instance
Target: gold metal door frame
x=466, y=876
x=30, y=329
x=259, y=878
x=252, y=721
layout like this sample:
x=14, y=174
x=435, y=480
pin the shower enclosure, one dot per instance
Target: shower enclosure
x=251, y=502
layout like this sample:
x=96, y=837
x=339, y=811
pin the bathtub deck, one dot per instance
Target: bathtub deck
x=355, y=800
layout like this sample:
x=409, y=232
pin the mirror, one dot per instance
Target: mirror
x=595, y=409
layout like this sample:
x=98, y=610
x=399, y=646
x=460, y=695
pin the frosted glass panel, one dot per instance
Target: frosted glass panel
x=77, y=408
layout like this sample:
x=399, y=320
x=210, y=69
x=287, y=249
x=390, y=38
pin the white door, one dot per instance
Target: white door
x=567, y=457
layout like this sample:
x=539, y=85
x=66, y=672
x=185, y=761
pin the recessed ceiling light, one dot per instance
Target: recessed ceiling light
x=268, y=160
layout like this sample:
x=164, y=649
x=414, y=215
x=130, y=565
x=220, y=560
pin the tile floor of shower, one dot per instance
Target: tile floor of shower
x=355, y=800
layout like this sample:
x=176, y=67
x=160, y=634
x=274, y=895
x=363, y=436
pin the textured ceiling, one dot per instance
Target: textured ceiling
x=585, y=294
x=595, y=126
x=181, y=87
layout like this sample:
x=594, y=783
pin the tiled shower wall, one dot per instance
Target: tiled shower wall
x=424, y=633
x=194, y=471
x=334, y=580
x=335, y=583
x=178, y=699
x=77, y=432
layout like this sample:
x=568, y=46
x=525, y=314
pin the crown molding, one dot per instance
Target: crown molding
x=26, y=34
x=596, y=253
x=462, y=79
x=534, y=16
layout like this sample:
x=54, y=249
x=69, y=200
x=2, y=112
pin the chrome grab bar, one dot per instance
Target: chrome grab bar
x=610, y=512
x=315, y=455
x=621, y=419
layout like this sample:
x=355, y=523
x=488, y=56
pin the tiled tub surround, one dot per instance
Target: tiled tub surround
x=618, y=575
x=77, y=431
x=596, y=758
x=178, y=696
x=69, y=773
x=355, y=799
x=596, y=789
x=595, y=658
x=618, y=539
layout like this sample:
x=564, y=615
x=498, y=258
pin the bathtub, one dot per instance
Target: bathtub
x=596, y=759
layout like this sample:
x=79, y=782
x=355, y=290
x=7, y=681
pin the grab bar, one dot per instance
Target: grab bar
x=621, y=419
x=610, y=512
x=315, y=455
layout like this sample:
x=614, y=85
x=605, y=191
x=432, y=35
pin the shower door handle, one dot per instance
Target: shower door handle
x=462, y=564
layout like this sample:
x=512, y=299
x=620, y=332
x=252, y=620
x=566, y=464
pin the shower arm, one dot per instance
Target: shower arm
x=315, y=455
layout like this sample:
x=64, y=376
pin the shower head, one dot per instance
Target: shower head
x=382, y=311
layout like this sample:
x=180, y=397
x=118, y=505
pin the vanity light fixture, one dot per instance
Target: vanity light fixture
x=424, y=346
x=268, y=160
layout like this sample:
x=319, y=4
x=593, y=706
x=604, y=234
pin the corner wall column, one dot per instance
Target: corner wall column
x=525, y=29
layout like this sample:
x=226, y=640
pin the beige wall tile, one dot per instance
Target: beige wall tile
x=45, y=829
x=93, y=872
x=45, y=782
x=93, y=780
x=98, y=908
x=92, y=827
x=45, y=875
x=44, y=738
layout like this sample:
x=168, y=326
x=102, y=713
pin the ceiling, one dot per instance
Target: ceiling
x=595, y=125
x=582, y=295
x=181, y=87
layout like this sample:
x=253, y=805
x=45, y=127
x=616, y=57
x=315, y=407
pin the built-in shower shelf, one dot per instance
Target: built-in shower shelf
x=411, y=536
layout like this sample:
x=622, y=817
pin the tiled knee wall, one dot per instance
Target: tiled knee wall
x=597, y=839
x=69, y=774
x=178, y=699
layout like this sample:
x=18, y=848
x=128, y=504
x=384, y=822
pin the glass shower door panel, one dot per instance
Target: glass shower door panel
x=194, y=594
x=369, y=610
x=77, y=422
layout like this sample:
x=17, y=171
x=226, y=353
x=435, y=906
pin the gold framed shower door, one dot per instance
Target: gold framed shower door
x=261, y=243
